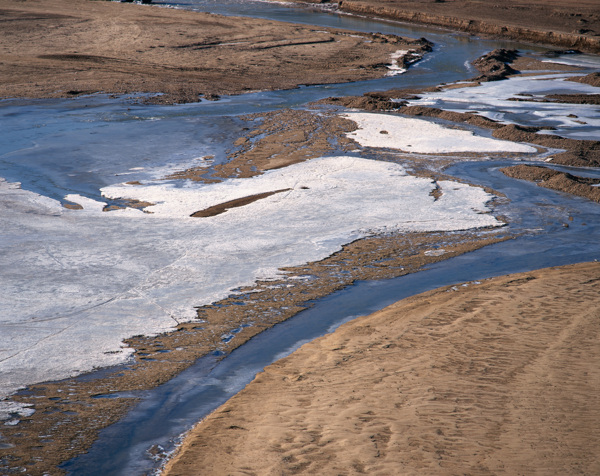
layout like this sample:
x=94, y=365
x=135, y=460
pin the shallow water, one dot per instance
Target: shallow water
x=57, y=147
x=168, y=411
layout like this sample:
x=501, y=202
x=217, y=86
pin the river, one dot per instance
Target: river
x=59, y=147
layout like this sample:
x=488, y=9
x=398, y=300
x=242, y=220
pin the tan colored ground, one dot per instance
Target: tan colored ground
x=563, y=23
x=69, y=47
x=64, y=48
x=499, y=377
x=68, y=416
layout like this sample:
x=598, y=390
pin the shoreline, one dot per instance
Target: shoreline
x=565, y=26
x=70, y=47
x=483, y=377
x=186, y=336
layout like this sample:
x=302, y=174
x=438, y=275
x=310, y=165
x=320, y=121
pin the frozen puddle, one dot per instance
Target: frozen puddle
x=84, y=280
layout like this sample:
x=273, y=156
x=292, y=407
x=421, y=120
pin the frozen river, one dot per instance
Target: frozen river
x=87, y=279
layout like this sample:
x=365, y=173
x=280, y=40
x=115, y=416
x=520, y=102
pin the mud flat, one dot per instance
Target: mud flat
x=499, y=376
x=555, y=180
x=66, y=48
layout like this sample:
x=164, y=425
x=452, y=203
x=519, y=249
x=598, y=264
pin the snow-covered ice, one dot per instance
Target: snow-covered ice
x=518, y=100
x=10, y=412
x=423, y=137
x=77, y=282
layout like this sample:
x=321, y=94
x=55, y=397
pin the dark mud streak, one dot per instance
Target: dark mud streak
x=238, y=202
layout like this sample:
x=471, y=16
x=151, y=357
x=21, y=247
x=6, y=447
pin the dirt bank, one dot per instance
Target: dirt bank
x=69, y=414
x=499, y=377
x=567, y=24
x=65, y=48
x=555, y=180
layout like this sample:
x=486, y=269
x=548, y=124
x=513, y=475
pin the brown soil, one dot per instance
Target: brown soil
x=68, y=414
x=495, y=65
x=283, y=138
x=592, y=79
x=579, y=153
x=555, y=180
x=65, y=48
x=277, y=139
x=499, y=377
x=238, y=202
x=565, y=23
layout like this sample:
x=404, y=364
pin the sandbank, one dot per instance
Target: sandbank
x=67, y=48
x=492, y=377
x=174, y=53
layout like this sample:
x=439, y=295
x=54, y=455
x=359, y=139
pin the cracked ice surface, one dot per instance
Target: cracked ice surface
x=77, y=282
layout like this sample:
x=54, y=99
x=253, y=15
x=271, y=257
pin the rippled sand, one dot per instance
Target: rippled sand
x=498, y=377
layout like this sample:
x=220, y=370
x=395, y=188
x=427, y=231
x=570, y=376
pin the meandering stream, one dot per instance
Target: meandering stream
x=60, y=147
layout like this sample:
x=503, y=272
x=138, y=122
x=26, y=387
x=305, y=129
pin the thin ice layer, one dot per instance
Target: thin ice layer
x=423, y=137
x=84, y=280
x=520, y=100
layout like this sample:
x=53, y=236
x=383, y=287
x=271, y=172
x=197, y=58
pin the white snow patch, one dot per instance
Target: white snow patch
x=423, y=137
x=583, y=60
x=395, y=68
x=10, y=411
x=438, y=252
x=496, y=100
x=84, y=280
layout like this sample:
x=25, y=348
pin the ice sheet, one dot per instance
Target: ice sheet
x=423, y=137
x=77, y=282
x=517, y=100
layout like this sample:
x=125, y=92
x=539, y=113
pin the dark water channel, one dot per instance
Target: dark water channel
x=168, y=411
x=56, y=147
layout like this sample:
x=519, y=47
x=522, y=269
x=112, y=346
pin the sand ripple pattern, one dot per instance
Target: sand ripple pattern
x=499, y=377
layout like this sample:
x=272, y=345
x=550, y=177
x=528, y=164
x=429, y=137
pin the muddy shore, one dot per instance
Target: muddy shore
x=497, y=377
x=67, y=48
x=565, y=24
x=68, y=415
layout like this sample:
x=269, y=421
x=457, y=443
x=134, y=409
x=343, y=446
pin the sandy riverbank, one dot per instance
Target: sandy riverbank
x=498, y=377
x=67, y=415
x=565, y=24
x=66, y=48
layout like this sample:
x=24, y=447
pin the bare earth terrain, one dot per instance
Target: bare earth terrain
x=65, y=48
x=499, y=377
x=563, y=23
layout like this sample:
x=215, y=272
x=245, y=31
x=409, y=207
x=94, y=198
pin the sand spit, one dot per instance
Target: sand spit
x=555, y=180
x=497, y=377
x=75, y=47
